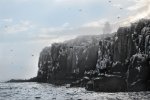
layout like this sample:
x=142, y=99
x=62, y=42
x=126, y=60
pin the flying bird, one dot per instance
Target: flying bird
x=6, y=26
x=71, y=47
x=118, y=17
x=80, y=10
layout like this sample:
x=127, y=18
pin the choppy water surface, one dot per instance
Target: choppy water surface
x=44, y=91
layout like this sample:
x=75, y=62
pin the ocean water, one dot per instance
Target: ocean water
x=44, y=91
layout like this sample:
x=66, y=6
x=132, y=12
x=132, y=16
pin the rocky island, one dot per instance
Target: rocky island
x=109, y=63
x=114, y=62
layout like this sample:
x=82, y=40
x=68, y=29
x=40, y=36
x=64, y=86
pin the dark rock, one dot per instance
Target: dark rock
x=109, y=84
x=60, y=62
x=84, y=81
x=90, y=85
x=119, y=69
x=138, y=73
x=34, y=79
x=76, y=83
x=123, y=46
x=37, y=97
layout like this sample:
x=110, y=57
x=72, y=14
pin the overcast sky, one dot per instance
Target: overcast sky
x=27, y=26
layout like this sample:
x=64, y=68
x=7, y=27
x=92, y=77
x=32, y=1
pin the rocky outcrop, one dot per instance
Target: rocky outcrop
x=127, y=55
x=117, y=62
x=109, y=84
x=68, y=60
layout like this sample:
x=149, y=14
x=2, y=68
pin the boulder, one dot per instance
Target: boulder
x=109, y=84
x=89, y=86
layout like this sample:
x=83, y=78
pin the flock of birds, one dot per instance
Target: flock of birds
x=11, y=50
x=80, y=10
x=120, y=9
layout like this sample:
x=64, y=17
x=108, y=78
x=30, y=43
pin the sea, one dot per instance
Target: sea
x=45, y=91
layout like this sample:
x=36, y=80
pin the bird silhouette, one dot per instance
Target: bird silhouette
x=80, y=10
x=6, y=26
x=118, y=17
x=109, y=1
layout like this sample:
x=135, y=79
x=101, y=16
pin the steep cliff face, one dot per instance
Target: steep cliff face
x=98, y=63
x=43, y=64
x=68, y=60
x=127, y=54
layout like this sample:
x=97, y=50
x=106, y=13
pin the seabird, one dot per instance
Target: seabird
x=80, y=10
x=118, y=17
